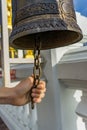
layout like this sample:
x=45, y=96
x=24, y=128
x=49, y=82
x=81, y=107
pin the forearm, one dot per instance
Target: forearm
x=6, y=95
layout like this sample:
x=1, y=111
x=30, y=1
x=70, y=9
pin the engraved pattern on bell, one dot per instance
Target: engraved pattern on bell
x=53, y=20
x=67, y=8
x=36, y=9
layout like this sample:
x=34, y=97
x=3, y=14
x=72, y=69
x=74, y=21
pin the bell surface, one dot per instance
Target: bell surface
x=54, y=21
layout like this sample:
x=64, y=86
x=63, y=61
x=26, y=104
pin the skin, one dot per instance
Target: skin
x=20, y=94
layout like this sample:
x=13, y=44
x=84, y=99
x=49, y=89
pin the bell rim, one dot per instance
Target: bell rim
x=14, y=38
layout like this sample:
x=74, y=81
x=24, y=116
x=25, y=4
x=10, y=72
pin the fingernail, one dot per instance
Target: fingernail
x=33, y=94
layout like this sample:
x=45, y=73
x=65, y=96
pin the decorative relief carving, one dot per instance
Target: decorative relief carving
x=67, y=10
x=36, y=9
x=46, y=25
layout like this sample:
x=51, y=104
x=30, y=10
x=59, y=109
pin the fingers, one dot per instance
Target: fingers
x=35, y=95
x=39, y=92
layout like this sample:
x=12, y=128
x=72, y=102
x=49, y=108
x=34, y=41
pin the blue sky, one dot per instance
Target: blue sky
x=81, y=6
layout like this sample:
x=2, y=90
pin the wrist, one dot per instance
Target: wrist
x=7, y=95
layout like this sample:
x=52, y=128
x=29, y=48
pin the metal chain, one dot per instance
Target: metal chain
x=37, y=66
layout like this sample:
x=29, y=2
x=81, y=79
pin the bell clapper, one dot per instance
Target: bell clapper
x=37, y=65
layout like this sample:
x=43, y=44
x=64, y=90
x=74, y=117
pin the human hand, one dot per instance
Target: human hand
x=22, y=92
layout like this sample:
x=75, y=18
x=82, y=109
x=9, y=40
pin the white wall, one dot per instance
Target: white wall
x=68, y=103
x=49, y=111
x=82, y=22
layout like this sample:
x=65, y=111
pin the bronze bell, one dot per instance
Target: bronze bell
x=54, y=21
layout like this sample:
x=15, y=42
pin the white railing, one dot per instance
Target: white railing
x=19, y=118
